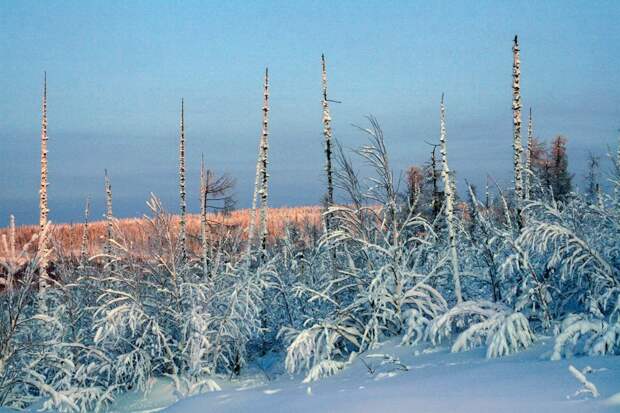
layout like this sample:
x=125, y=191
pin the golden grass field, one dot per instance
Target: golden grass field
x=135, y=231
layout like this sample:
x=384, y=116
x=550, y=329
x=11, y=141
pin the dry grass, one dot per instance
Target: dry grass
x=68, y=237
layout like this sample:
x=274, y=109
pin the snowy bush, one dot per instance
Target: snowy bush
x=383, y=265
x=583, y=335
x=44, y=351
x=316, y=347
x=482, y=322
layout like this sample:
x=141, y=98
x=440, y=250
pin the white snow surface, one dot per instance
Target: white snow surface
x=436, y=381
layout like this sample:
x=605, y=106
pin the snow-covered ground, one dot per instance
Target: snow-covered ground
x=423, y=381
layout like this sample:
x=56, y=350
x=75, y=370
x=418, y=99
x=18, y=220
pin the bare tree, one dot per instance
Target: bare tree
x=84, y=246
x=261, y=180
x=252, y=224
x=203, y=215
x=528, y=156
x=215, y=194
x=449, y=199
x=436, y=197
x=43, y=205
x=264, y=177
x=109, y=217
x=327, y=133
x=182, y=193
x=516, y=120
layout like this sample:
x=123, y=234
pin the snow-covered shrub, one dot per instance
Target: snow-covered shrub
x=315, y=349
x=416, y=326
x=164, y=316
x=45, y=352
x=485, y=245
x=296, y=263
x=234, y=321
x=153, y=316
x=581, y=334
x=482, y=322
x=382, y=265
x=566, y=267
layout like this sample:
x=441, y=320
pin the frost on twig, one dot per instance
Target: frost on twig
x=588, y=387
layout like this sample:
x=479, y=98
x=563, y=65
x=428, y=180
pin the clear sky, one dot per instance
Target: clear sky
x=117, y=71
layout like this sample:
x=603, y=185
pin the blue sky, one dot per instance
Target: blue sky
x=117, y=71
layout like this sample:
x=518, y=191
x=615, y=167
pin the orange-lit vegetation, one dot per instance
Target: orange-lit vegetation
x=68, y=237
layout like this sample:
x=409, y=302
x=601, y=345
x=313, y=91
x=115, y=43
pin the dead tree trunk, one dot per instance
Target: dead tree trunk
x=182, y=193
x=264, y=176
x=327, y=133
x=449, y=199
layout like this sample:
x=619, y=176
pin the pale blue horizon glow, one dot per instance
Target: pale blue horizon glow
x=117, y=71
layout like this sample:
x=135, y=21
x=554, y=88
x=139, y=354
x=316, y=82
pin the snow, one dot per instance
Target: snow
x=436, y=381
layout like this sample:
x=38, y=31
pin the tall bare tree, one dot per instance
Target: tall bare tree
x=449, y=199
x=43, y=205
x=327, y=133
x=204, y=184
x=264, y=177
x=261, y=180
x=109, y=218
x=516, y=119
x=182, y=193
x=528, y=156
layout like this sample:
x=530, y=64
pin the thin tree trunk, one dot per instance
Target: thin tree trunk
x=12, y=246
x=252, y=227
x=43, y=208
x=107, y=248
x=84, y=247
x=43, y=205
x=327, y=133
x=264, y=176
x=487, y=195
x=204, y=185
x=261, y=174
x=436, y=203
x=182, y=194
x=449, y=199
x=516, y=121
x=528, y=157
